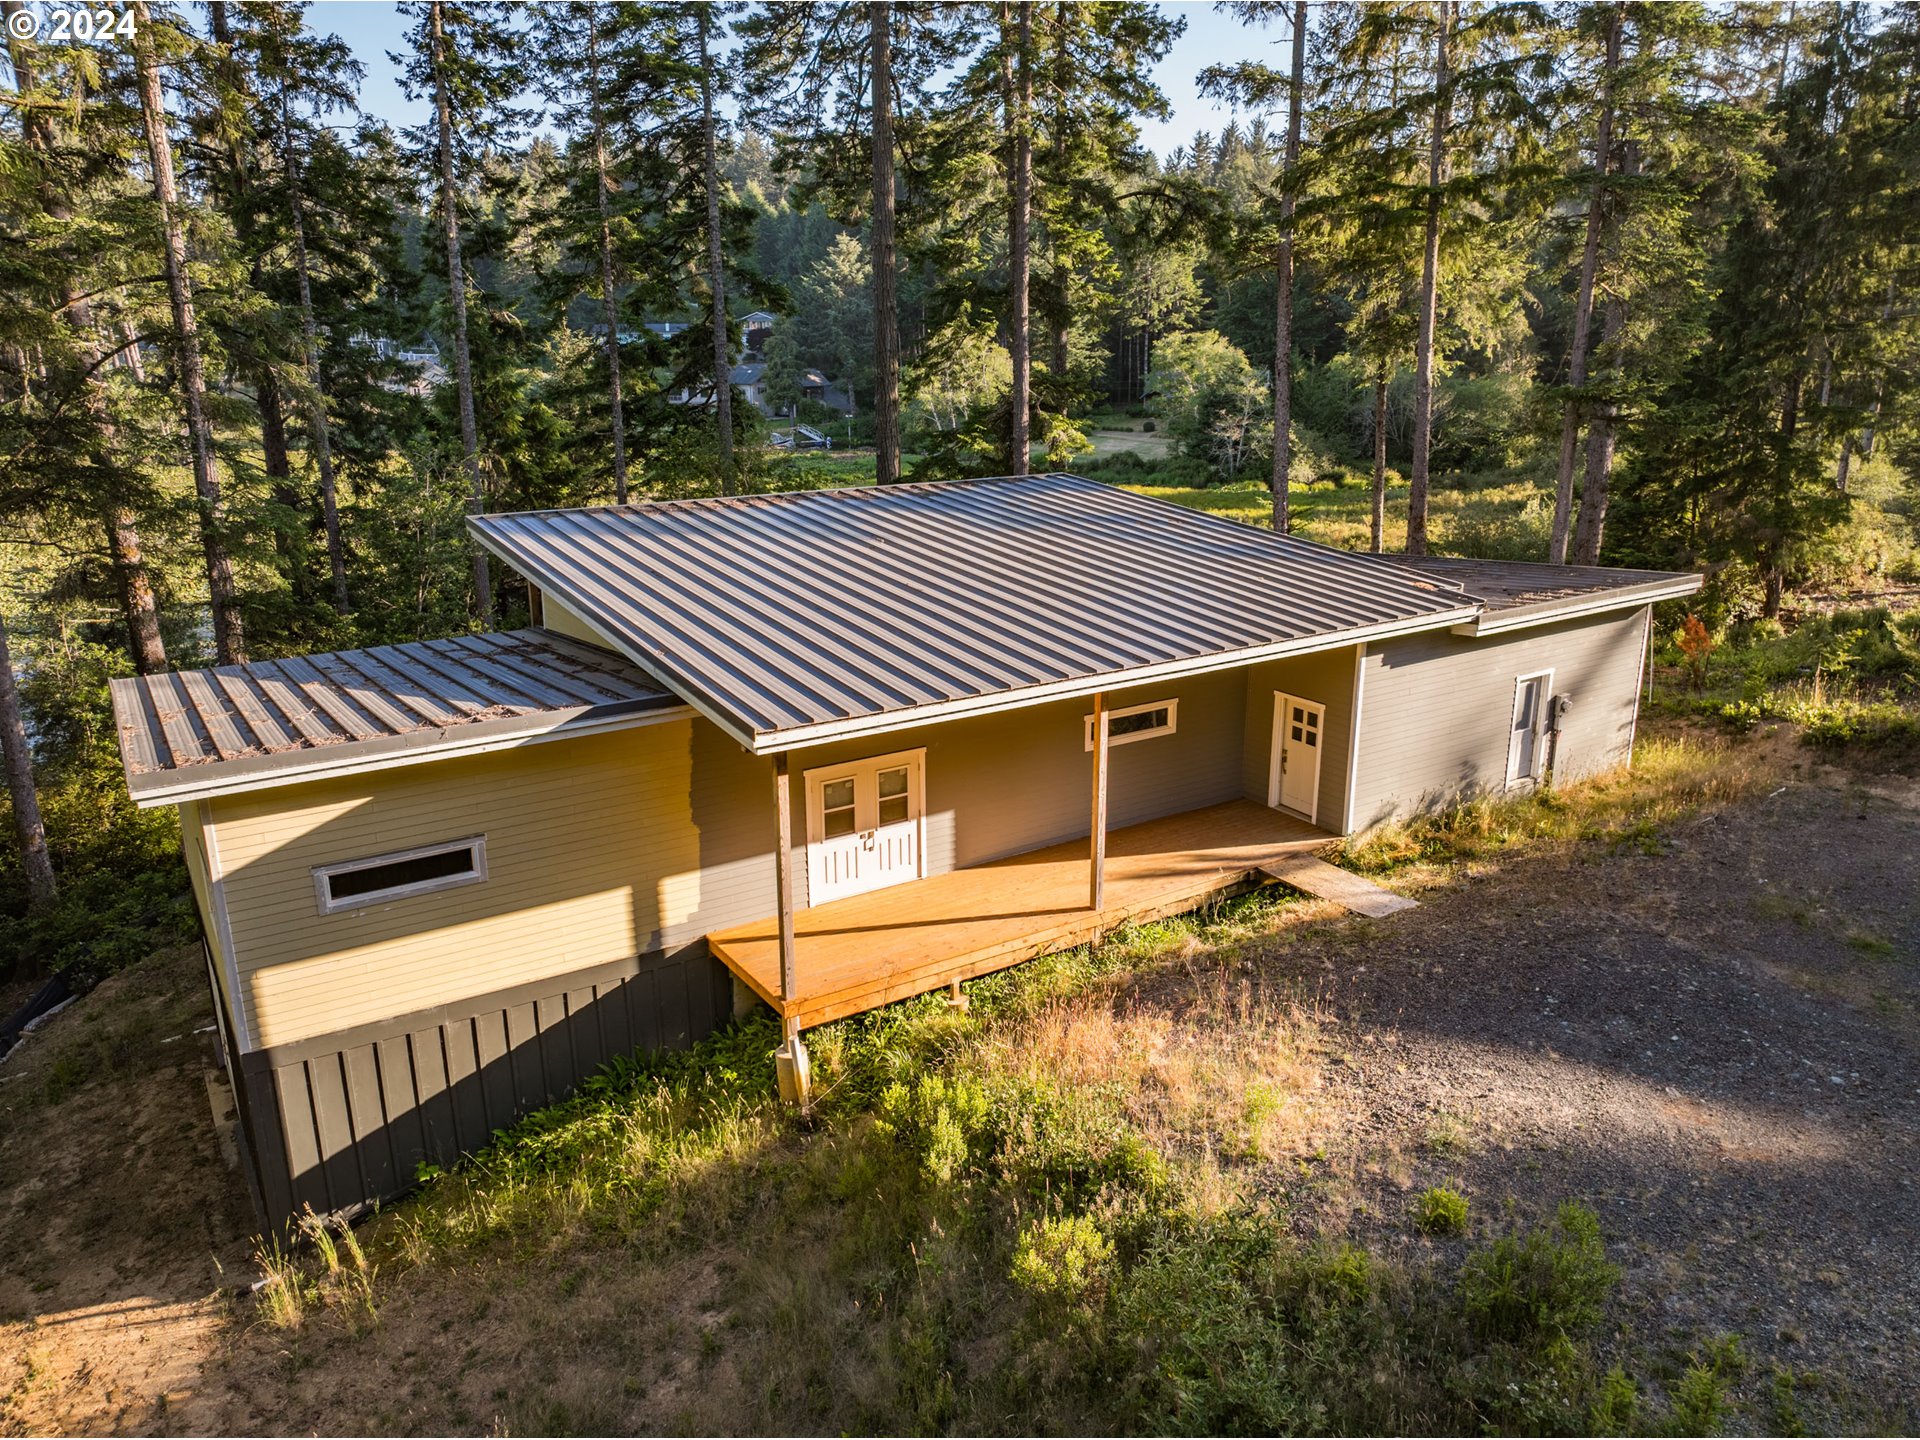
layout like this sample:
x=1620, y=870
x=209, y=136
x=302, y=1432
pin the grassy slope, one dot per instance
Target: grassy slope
x=1077, y=1206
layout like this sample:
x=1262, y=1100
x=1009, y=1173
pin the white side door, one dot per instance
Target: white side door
x=1527, y=736
x=864, y=823
x=1298, y=729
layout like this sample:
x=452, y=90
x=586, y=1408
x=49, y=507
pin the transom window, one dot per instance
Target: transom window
x=1138, y=722
x=351, y=884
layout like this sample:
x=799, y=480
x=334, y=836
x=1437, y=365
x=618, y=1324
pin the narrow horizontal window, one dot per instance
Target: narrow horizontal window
x=379, y=878
x=1138, y=722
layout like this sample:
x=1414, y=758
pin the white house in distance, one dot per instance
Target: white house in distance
x=819, y=751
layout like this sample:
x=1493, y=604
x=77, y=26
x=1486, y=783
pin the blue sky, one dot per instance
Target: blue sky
x=373, y=27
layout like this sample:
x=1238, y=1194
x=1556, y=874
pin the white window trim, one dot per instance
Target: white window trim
x=1514, y=780
x=476, y=845
x=1172, y=707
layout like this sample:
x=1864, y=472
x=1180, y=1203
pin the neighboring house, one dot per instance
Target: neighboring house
x=756, y=328
x=748, y=378
x=822, y=749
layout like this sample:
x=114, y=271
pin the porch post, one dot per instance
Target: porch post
x=783, y=842
x=1097, y=877
x=791, y=1059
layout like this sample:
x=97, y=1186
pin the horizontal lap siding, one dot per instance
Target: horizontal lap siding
x=598, y=849
x=999, y=784
x=1327, y=679
x=350, y=1118
x=1436, y=709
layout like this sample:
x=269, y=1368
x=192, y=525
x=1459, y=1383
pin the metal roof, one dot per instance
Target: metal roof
x=794, y=617
x=1521, y=592
x=189, y=734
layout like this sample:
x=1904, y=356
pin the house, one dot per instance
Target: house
x=821, y=750
x=756, y=328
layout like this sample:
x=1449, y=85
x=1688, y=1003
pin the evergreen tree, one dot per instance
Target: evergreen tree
x=463, y=57
x=188, y=360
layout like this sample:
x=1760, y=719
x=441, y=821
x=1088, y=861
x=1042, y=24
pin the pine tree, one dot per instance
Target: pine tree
x=228, y=629
x=1253, y=84
x=463, y=57
x=28, y=827
x=73, y=341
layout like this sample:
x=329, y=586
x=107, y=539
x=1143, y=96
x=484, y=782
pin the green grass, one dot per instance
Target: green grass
x=1066, y=1207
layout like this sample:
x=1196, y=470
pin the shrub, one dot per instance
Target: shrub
x=1696, y=644
x=1061, y=1258
x=937, y=1119
x=1545, y=1283
x=1700, y=1395
x=1441, y=1210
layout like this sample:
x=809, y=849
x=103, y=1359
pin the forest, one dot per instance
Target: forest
x=1622, y=283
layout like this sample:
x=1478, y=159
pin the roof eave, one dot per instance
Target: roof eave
x=213, y=778
x=1547, y=612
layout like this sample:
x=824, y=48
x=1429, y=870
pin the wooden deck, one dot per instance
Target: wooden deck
x=869, y=950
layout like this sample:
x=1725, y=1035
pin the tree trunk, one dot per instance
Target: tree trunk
x=27, y=825
x=457, y=296
x=1018, y=73
x=131, y=576
x=1430, y=287
x=886, y=316
x=273, y=433
x=135, y=584
x=228, y=632
x=1583, y=305
x=1590, y=532
x=1379, y=459
x=318, y=426
x=278, y=468
x=609, y=305
x=716, y=269
x=1283, y=284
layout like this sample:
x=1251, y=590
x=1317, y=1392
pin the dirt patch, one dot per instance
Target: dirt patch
x=1716, y=1046
x=123, y=1222
x=1711, y=1036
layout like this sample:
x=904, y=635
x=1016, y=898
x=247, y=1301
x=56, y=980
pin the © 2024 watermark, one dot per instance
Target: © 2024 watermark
x=61, y=25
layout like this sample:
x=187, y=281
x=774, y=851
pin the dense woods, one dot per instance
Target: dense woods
x=1637, y=283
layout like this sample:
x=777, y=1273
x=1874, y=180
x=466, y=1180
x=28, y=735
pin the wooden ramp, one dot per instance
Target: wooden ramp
x=869, y=950
x=1316, y=877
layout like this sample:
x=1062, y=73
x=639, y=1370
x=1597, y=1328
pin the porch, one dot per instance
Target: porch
x=859, y=953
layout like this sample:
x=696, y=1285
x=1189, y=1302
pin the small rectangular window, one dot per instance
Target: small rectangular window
x=1138, y=722
x=351, y=884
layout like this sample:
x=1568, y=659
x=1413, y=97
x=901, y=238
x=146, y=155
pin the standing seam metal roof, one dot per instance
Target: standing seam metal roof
x=271, y=716
x=794, y=610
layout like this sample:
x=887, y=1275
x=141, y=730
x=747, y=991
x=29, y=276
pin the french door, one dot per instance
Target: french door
x=864, y=825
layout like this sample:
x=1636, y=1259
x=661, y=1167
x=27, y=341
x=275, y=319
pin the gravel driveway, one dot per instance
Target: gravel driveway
x=1717, y=1047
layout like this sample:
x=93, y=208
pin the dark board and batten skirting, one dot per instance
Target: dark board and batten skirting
x=341, y=1120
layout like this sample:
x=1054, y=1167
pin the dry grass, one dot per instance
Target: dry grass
x=714, y=1264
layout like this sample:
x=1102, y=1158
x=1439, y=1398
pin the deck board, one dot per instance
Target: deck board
x=865, y=951
x=1313, y=876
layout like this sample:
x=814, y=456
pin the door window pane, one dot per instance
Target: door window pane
x=836, y=806
x=893, y=796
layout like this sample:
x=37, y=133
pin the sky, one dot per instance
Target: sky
x=374, y=27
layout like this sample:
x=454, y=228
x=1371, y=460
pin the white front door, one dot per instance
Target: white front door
x=1297, y=732
x=864, y=825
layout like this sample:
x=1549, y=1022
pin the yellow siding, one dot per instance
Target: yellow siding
x=557, y=617
x=598, y=849
x=193, y=845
